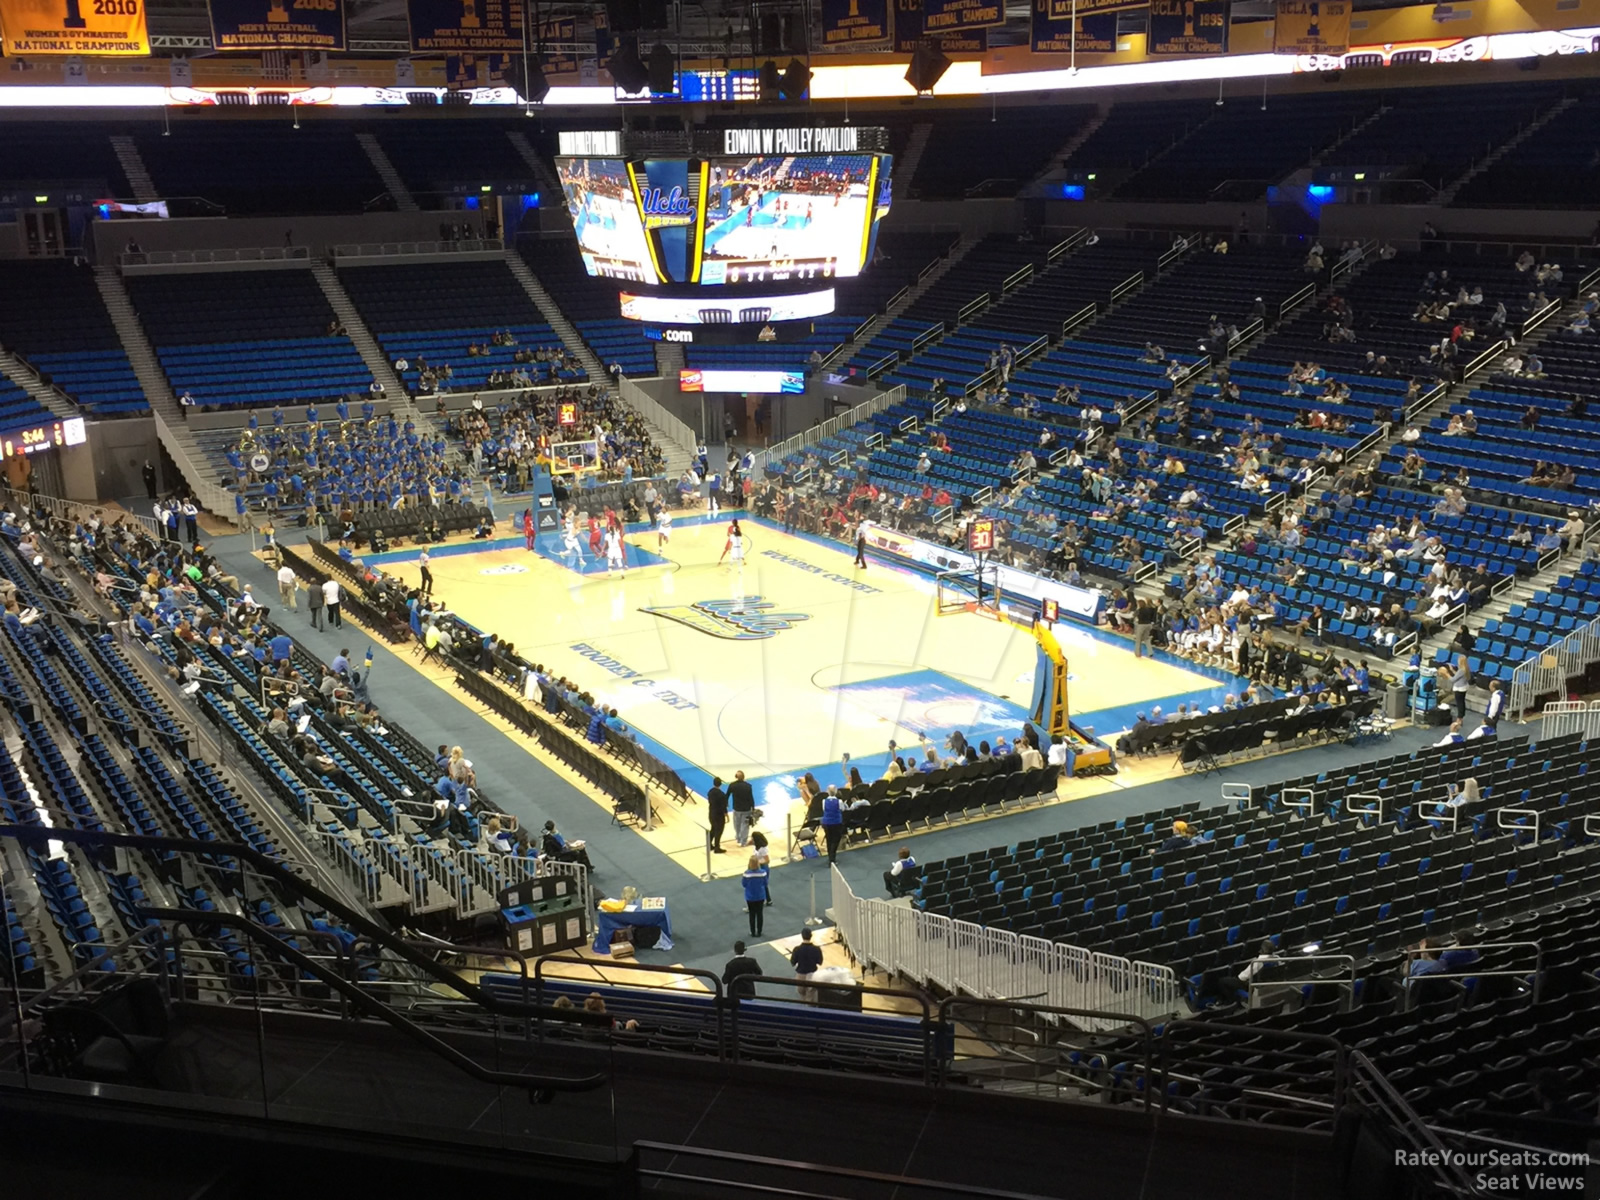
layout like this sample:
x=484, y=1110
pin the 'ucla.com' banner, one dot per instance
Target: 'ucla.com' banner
x=957, y=16
x=1053, y=35
x=1311, y=27
x=910, y=35
x=465, y=26
x=848, y=23
x=1188, y=27
x=112, y=28
x=277, y=24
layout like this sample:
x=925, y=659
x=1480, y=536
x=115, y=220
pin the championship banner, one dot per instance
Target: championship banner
x=277, y=24
x=464, y=26
x=850, y=23
x=564, y=32
x=1065, y=10
x=1311, y=27
x=1188, y=27
x=109, y=28
x=910, y=36
x=958, y=16
x=1050, y=35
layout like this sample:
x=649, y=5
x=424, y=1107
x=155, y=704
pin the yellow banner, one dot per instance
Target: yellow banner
x=1311, y=27
x=101, y=27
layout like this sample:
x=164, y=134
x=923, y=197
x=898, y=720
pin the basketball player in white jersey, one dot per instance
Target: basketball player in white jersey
x=735, y=545
x=569, y=537
x=614, y=558
x=663, y=529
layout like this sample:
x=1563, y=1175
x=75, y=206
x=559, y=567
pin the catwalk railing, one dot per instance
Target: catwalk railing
x=960, y=956
x=1545, y=672
x=74, y=510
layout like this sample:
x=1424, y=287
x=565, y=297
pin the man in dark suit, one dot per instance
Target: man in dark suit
x=742, y=799
x=717, y=811
x=734, y=975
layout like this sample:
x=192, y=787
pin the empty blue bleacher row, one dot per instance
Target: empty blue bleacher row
x=19, y=411
x=267, y=373
x=102, y=381
x=52, y=315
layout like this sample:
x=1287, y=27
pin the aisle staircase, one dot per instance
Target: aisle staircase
x=548, y=183
x=1500, y=151
x=551, y=312
x=171, y=426
x=912, y=294
x=25, y=377
x=396, y=187
x=144, y=188
x=905, y=167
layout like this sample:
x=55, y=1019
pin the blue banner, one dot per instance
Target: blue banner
x=1064, y=10
x=910, y=35
x=277, y=24
x=1053, y=35
x=560, y=32
x=465, y=26
x=957, y=16
x=848, y=23
x=1188, y=27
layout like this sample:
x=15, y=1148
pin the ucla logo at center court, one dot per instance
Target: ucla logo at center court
x=749, y=619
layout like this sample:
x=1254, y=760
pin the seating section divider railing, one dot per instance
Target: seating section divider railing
x=1546, y=671
x=961, y=956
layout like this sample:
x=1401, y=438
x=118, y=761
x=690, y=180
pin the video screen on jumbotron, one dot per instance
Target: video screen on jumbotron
x=788, y=217
x=606, y=218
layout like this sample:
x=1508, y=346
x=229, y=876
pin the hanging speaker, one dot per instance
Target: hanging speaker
x=770, y=81
x=769, y=34
x=528, y=80
x=796, y=79
x=626, y=70
x=663, y=70
x=927, y=68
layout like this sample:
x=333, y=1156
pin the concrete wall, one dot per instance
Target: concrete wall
x=110, y=463
x=789, y=414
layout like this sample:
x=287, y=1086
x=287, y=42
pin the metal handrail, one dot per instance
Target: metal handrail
x=260, y=935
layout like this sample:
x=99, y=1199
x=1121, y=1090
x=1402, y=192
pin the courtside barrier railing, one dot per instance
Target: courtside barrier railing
x=1546, y=671
x=1562, y=717
x=960, y=956
x=73, y=510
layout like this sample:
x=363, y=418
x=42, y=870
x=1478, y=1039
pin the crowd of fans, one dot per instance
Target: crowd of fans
x=506, y=441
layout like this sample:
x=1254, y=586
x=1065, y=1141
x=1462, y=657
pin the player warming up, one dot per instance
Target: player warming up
x=569, y=538
x=664, y=529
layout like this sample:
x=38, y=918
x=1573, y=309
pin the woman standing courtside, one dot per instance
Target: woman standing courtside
x=755, y=894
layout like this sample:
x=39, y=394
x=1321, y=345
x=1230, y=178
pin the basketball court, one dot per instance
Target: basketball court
x=784, y=664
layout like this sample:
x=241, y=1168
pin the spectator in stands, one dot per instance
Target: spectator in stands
x=1424, y=961
x=903, y=874
x=559, y=848
x=738, y=972
x=1453, y=735
x=1183, y=836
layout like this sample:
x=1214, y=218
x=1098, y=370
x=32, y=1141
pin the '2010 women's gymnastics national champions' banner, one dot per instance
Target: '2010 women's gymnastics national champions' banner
x=277, y=24
x=104, y=27
x=465, y=26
